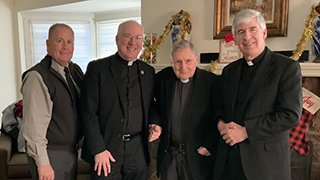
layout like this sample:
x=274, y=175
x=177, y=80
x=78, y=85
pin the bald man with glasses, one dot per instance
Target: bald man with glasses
x=116, y=96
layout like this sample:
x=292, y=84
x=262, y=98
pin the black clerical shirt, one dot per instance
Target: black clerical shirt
x=131, y=90
x=179, y=102
x=248, y=72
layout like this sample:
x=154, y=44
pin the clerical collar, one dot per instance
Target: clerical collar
x=184, y=80
x=131, y=62
x=250, y=63
x=126, y=62
x=257, y=59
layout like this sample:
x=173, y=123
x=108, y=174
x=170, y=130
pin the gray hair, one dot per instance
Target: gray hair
x=56, y=25
x=182, y=44
x=245, y=16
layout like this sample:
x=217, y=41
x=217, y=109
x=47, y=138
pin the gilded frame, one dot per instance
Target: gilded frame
x=277, y=26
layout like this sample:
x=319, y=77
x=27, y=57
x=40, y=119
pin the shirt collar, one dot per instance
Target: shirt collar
x=187, y=80
x=56, y=66
x=257, y=59
x=126, y=62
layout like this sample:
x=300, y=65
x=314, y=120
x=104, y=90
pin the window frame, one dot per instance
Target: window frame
x=26, y=51
x=25, y=29
x=137, y=18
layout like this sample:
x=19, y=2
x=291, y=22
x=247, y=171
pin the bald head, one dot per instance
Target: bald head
x=129, y=40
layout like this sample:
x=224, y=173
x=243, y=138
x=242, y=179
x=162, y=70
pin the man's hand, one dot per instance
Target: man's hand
x=203, y=151
x=222, y=126
x=154, y=132
x=46, y=172
x=102, y=161
x=232, y=132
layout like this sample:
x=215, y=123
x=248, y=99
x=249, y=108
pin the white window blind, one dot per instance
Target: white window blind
x=107, y=31
x=82, y=41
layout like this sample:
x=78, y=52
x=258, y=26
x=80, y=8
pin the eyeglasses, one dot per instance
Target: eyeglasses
x=130, y=37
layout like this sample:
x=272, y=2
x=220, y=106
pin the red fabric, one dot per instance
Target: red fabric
x=298, y=134
x=18, y=112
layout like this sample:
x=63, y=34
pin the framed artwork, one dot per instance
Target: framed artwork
x=275, y=13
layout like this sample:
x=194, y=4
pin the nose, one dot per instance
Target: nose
x=131, y=40
x=183, y=65
x=63, y=45
x=247, y=34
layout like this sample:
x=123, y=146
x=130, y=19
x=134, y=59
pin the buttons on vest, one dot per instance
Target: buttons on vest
x=122, y=120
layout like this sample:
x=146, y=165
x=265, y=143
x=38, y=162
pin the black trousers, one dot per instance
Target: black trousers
x=130, y=163
x=175, y=166
x=63, y=163
x=233, y=168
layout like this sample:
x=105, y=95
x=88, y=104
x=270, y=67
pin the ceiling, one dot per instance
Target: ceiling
x=94, y=6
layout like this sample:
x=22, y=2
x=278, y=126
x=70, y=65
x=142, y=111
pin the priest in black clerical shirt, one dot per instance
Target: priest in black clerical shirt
x=184, y=106
x=117, y=93
x=261, y=100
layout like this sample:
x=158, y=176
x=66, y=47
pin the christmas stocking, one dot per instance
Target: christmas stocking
x=311, y=104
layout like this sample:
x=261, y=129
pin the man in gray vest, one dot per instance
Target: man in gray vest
x=50, y=92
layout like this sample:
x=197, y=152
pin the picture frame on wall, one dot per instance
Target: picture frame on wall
x=275, y=13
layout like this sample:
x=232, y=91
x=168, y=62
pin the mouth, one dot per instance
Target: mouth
x=131, y=48
x=248, y=44
x=65, y=52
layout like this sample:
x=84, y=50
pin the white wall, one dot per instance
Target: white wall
x=156, y=14
x=8, y=71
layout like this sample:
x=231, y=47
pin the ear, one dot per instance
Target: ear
x=197, y=59
x=48, y=44
x=265, y=33
x=117, y=39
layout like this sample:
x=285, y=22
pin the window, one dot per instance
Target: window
x=82, y=42
x=94, y=34
x=107, y=31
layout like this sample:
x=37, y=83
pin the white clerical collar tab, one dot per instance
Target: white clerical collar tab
x=184, y=80
x=130, y=63
x=250, y=63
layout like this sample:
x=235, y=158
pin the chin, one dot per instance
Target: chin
x=184, y=77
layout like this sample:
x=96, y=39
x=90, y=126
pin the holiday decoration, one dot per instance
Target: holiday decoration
x=158, y=43
x=213, y=66
x=148, y=40
x=307, y=33
x=176, y=28
x=228, y=38
x=316, y=39
x=311, y=104
x=228, y=50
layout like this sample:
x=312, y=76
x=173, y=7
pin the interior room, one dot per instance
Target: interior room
x=17, y=50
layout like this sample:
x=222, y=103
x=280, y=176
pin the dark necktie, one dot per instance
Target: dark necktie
x=72, y=87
